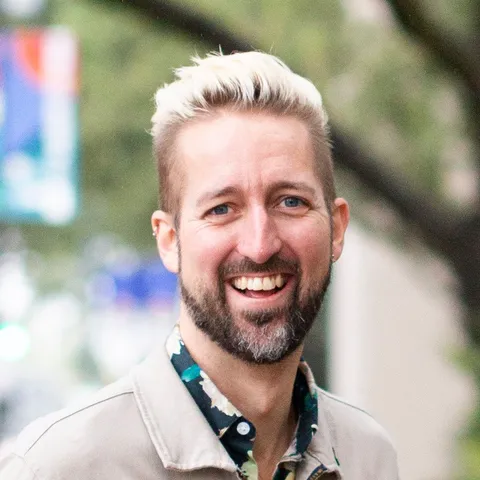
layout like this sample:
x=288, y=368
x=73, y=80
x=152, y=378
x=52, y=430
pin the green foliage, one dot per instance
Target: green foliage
x=469, y=360
x=471, y=458
x=460, y=18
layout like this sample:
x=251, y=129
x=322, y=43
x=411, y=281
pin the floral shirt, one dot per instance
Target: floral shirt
x=237, y=433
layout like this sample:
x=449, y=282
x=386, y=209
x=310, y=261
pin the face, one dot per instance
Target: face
x=255, y=239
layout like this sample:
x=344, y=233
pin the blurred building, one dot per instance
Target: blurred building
x=395, y=327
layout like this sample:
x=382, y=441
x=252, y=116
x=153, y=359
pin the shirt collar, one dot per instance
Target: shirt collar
x=216, y=408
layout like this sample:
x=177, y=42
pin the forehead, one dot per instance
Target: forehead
x=247, y=150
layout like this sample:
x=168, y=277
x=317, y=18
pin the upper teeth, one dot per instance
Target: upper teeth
x=259, y=283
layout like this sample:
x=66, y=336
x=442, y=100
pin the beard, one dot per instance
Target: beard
x=265, y=343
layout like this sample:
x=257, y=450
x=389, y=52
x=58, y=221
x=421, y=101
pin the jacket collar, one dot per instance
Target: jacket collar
x=182, y=437
x=322, y=445
x=180, y=433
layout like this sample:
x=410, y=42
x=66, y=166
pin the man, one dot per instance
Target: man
x=250, y=221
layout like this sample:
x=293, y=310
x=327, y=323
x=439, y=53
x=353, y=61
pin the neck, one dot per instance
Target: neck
x=262, y=393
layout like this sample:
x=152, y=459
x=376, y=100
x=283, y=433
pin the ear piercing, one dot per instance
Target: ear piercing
x=155, y=231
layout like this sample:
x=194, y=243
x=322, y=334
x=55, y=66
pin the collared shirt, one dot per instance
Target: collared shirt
x=236, y=433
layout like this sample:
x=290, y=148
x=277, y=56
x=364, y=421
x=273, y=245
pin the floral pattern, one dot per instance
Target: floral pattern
x=237, y=433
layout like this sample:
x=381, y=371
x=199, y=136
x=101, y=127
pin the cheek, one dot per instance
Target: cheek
x=312, y=248
x=313, y=242
x=202, y=253
x=315, y=245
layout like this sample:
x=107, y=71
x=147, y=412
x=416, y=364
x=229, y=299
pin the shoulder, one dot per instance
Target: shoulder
x=358, y=439
x=103, y=405
x=51, y=446
x=349, y=420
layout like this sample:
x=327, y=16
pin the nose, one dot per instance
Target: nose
x=259, y=238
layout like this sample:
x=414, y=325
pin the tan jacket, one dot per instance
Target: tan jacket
x=146, y=426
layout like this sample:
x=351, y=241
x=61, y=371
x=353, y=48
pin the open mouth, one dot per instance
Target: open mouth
x=259, y=286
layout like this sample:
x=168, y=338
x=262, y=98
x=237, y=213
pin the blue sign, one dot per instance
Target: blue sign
x=145, y=285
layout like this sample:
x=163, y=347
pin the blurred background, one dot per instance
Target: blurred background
x=83, y=295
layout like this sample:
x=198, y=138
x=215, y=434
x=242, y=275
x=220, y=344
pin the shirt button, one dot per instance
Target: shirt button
x=243, y=428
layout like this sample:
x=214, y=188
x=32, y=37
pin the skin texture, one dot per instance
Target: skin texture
x=251, y=206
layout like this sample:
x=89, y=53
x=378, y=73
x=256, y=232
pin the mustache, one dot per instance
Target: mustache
x=273, y=265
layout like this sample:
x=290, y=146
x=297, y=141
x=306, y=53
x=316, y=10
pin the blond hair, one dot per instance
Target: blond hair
x=249, y=81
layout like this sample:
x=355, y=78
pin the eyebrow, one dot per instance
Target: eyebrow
x=212, y=195
x=302, y=186
x=232, y=190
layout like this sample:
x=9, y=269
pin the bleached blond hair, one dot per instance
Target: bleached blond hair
x=249, y=81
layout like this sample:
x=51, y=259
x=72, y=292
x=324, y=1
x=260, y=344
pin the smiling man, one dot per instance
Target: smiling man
x=250, y=222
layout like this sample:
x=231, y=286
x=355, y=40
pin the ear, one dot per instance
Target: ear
x=340, y=218
x=166, y=236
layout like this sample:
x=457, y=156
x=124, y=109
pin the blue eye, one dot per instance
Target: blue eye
x=293, y=202
x=220, y=210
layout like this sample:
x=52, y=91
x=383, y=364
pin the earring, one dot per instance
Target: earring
x=155, y=231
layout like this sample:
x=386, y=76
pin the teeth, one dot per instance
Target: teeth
x=268, y=283
x=259, y=283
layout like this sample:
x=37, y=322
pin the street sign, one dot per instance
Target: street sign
x=38, y=125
